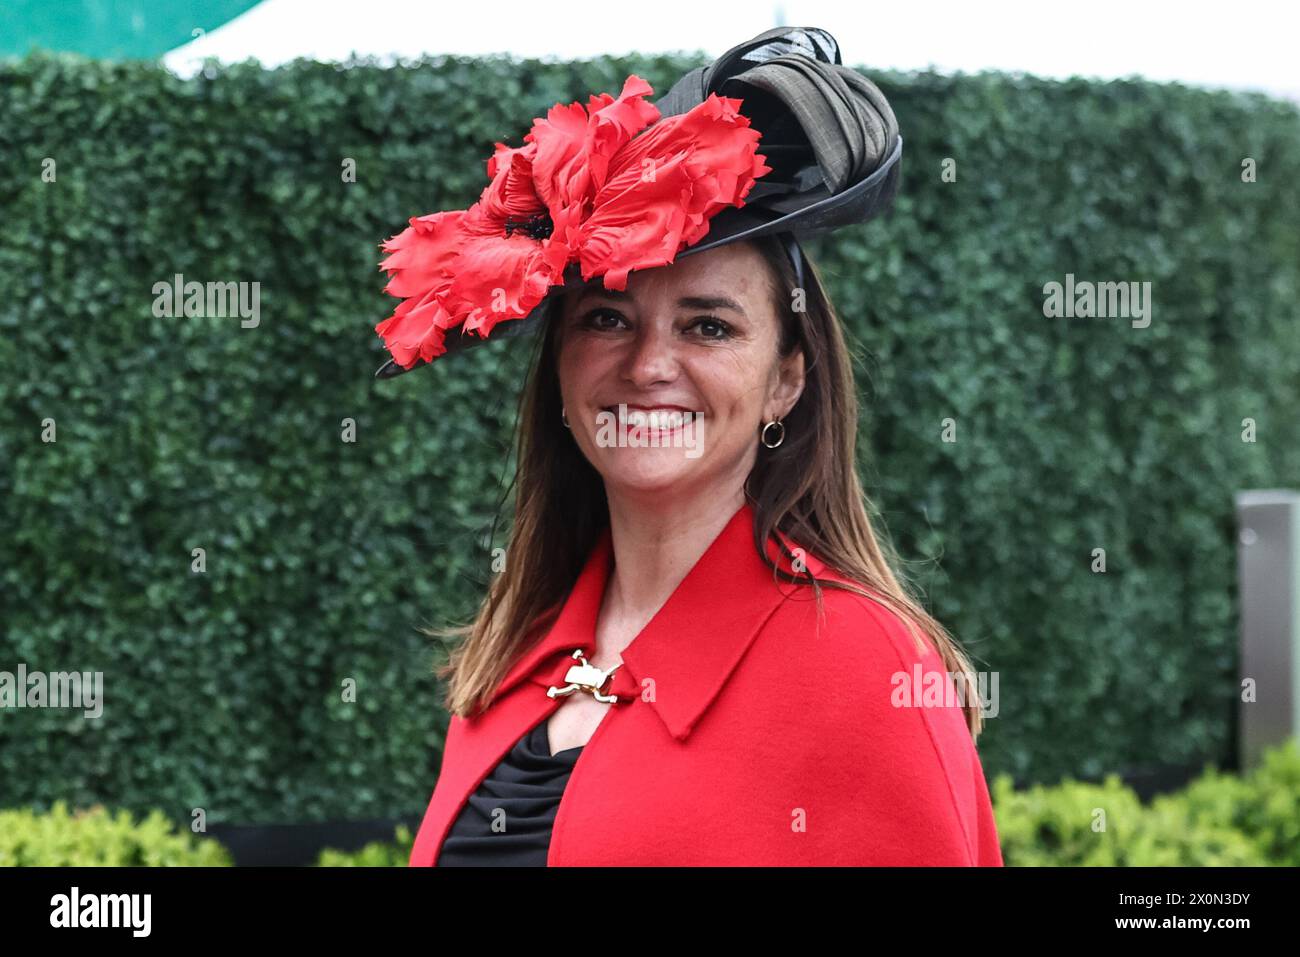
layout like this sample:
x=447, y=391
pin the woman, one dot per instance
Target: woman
x=697, y=652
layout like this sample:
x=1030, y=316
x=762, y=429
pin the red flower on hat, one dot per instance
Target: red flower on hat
x=606, y=187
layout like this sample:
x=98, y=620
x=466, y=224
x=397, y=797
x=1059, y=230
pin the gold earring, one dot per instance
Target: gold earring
x=780, y=437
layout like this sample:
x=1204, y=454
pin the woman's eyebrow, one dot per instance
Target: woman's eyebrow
x=686, y=302
x=710, y=302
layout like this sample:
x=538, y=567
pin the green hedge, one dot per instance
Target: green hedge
x=223, y=689
x=94, y=837
x=396, y=853
x=1218, y=820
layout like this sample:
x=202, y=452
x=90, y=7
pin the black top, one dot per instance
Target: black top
x=527, y=786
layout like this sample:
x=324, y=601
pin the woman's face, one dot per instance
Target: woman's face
x=697, y=341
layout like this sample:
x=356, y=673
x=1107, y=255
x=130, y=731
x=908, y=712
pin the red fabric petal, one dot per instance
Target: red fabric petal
x=499, y=277
x=575, y=146
x=511, y=194
x=637, y=224
x=664, y=187
x=502, y=278
x=419, y=267
x=420, y=252
x=416, y=330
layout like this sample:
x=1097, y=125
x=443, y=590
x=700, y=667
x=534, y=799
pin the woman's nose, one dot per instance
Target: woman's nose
x=652, y=356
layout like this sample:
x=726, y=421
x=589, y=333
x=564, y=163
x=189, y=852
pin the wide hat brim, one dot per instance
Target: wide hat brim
x=817, y=130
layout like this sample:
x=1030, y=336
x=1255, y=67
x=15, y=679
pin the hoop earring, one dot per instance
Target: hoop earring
x=780, y=438
x=564, y=417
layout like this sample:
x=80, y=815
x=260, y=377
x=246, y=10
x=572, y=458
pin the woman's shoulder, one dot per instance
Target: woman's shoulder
x=850, y=612
x=870, y=665
x=856, y=678
x=854, y=628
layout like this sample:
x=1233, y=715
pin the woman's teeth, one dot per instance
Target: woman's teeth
x=657, y=419
x=653, y=418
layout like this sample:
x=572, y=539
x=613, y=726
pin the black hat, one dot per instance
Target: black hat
x=828, y=134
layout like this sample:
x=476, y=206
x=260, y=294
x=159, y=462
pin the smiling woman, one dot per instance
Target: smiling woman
x=689, y=658
x=655, y=351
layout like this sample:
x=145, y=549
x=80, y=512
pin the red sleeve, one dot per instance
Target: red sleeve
x=926, y=799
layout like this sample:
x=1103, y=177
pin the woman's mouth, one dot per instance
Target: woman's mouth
x=654, y=420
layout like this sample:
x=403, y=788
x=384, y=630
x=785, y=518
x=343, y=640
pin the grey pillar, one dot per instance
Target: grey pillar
x=1268, y=568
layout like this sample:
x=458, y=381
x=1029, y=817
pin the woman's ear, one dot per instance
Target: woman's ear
x=789, y=383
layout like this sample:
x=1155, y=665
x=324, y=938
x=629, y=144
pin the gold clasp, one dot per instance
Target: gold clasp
x=584, y=677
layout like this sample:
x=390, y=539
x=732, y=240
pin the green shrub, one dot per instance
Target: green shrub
x=375, y=854
x=1171, y=837
x=1077, y=824
x=1054, y=825
x=94, y=837
x=1217, y=820
x=1264, y=804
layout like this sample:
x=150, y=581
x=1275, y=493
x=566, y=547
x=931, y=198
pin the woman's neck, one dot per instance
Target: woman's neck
x=654, y=548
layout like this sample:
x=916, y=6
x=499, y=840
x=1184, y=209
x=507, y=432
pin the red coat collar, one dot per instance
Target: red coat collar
x=684, y=656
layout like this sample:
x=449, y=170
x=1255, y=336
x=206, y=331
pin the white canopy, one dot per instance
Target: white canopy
x=1198, y=41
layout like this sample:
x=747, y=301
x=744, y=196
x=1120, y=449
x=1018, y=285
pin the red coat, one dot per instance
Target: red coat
x=750, y=735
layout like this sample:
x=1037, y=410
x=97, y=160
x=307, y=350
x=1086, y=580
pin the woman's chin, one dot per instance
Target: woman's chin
x=654, y=470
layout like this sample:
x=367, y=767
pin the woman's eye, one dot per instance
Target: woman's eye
x=711, y=328
x=592, y=319
x=609, y=320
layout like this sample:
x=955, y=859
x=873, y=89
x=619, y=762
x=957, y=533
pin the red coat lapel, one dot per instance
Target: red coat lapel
x=679, y=662
x=694, y=642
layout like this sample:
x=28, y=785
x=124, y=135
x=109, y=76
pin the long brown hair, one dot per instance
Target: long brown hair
x=808, y=489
